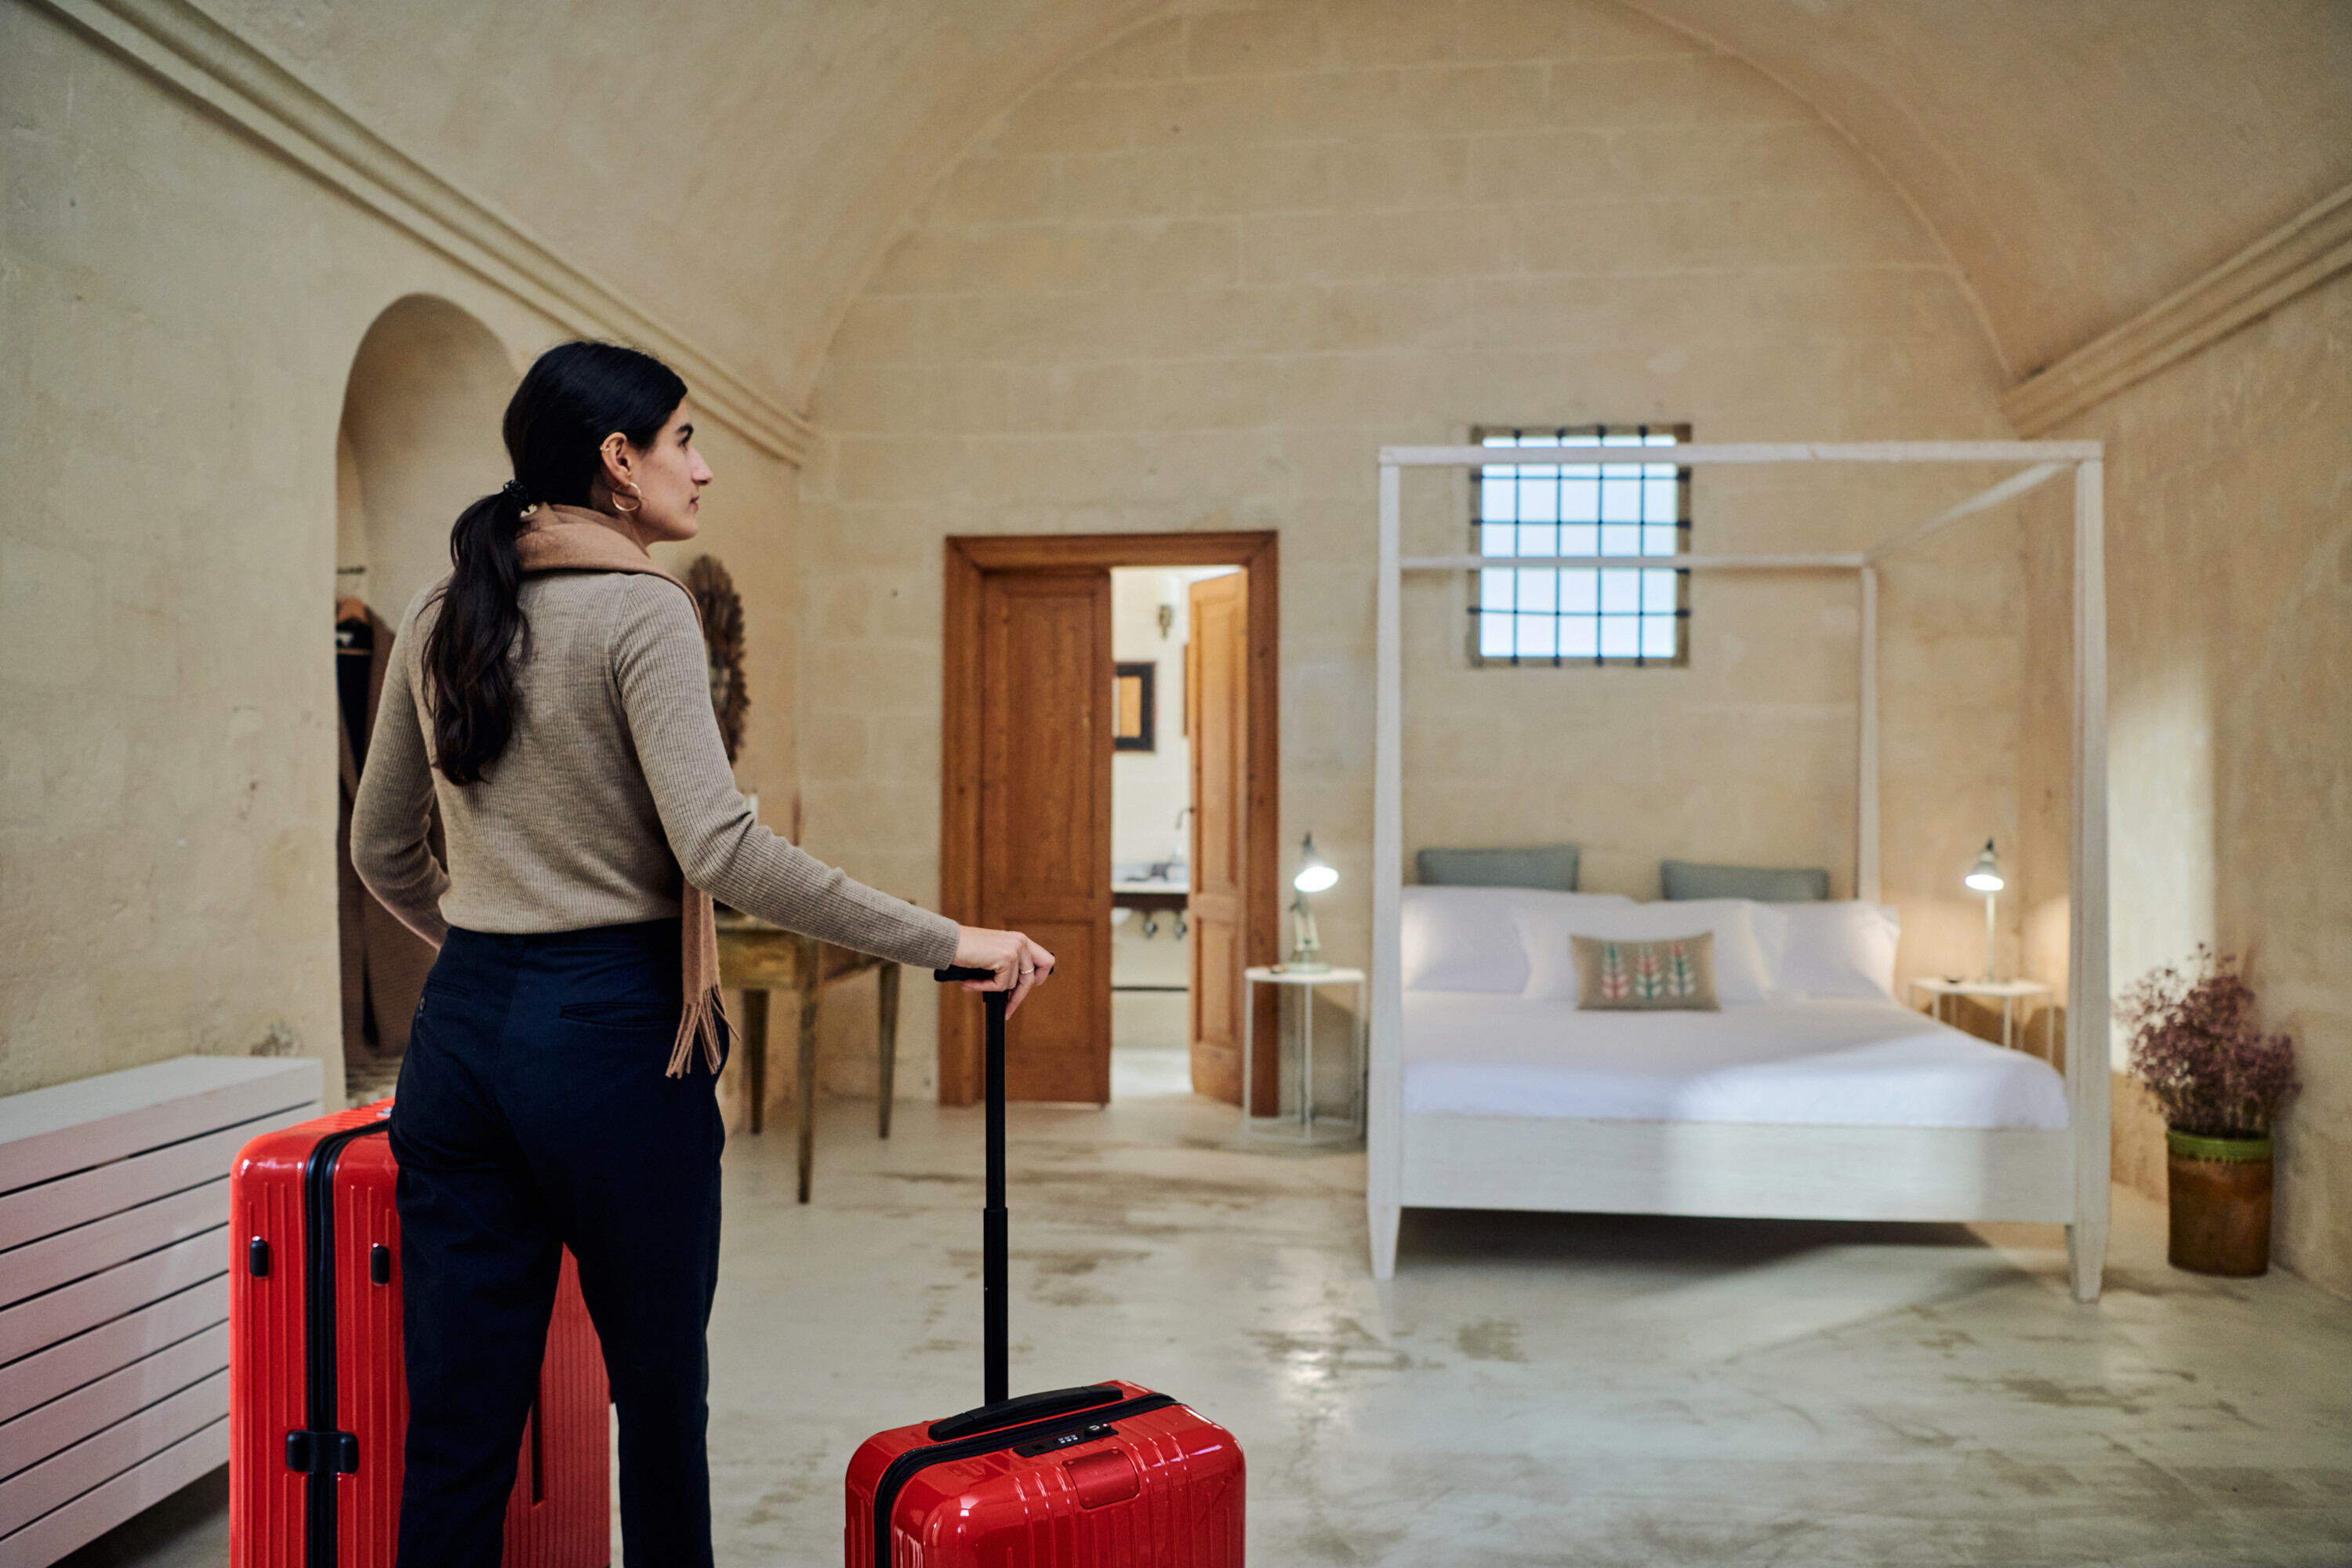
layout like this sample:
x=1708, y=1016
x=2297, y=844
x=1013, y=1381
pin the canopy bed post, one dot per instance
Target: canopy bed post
x=1384, y=1120
x=2087, y=1067
x=1866, y=827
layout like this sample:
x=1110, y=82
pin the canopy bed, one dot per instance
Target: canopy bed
x=1853, y=1108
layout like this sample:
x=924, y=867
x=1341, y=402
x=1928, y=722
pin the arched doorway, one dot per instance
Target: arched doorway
x=419, y=440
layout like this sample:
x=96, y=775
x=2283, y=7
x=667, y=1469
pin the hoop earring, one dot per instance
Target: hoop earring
x=629, y=511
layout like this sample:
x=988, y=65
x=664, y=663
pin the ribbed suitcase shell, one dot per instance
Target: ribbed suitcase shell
x=1010, y=1510
x=560, y=1513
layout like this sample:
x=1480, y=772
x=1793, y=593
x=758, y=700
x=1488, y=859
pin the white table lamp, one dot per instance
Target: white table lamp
x=1315, y=874
x=1985, y=877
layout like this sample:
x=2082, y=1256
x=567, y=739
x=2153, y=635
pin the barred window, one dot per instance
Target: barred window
x=1560, y=506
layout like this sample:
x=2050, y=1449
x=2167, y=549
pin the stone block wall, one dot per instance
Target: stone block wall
x=2230, y=651
x=1207, y=272
x=184, y=308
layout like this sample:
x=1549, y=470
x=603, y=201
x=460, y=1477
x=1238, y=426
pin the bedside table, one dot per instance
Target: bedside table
x=1304, y=1127
x=2009, y=993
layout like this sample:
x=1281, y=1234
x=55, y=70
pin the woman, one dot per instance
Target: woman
x=551, y=695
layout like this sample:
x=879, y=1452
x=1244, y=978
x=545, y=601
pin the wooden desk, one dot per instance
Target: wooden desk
x=756, y=958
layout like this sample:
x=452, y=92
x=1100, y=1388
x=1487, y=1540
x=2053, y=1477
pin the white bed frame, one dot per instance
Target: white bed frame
x=1736, y=1169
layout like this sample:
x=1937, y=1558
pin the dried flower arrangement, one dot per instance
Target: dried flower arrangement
x=2195, y=1044
x=721, y=609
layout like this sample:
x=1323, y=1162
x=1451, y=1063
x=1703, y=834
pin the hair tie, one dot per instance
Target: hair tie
x=514, y=491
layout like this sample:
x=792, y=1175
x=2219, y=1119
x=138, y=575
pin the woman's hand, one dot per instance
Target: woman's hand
x=1021, y=965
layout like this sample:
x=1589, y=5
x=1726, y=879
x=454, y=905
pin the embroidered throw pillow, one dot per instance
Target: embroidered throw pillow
x=1750, y=943
x=1662, y=974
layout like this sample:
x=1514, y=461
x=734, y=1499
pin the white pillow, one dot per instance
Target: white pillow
x=1464, y=938
x=1749, y=939
x=1840, y=950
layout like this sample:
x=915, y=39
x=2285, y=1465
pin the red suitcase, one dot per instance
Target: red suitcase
x=318, y=1406
x=1110, y=1474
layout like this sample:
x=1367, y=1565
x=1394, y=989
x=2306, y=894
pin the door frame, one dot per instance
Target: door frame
x=969, y=559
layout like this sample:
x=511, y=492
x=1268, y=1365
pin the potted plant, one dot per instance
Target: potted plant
x=2220, y=1080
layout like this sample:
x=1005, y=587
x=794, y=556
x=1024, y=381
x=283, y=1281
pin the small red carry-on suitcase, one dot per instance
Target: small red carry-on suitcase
x=1077, y=1478
x=318, y=1401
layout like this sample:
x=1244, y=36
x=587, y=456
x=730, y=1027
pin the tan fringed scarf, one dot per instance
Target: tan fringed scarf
x=573, y=539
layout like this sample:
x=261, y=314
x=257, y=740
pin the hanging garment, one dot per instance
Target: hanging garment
x=384, y=963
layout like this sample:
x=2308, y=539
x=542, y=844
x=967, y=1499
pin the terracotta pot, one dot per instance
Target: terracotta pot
x=2220, y=1193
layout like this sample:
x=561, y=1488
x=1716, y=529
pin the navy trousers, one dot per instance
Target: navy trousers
x=533, y=1115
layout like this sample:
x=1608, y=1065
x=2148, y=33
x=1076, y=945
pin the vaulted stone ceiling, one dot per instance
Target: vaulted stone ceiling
x=2080, y=158
x=738, y=168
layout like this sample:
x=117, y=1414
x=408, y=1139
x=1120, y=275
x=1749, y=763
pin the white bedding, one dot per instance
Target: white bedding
x=1815, y=1063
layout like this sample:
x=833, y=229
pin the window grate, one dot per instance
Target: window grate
x=1596, y=616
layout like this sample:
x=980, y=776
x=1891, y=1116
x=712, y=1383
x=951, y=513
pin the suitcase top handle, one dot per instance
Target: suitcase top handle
x=995, y=1329
x=1028, y=1407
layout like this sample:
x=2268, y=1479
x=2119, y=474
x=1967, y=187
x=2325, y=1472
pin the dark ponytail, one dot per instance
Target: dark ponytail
x=570, y=400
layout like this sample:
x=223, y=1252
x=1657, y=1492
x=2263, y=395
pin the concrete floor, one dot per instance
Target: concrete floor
x=1531, y=1388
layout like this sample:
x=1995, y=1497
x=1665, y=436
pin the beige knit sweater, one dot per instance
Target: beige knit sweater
x=615, y=780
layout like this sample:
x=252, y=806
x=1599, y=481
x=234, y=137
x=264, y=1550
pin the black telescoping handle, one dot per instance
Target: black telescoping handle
x=996, y=1329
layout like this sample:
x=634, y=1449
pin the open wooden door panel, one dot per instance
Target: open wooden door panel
x=1045, y=816
x=1217, y=713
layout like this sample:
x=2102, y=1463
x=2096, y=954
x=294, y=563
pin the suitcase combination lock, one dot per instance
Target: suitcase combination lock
x=1066, y=1440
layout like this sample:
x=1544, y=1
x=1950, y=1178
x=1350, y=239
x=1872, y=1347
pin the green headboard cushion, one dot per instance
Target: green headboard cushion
x=1550, y=865
x=1766, y=884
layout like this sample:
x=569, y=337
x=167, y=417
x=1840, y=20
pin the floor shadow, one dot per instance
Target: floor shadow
x=186, y=1530
x=1469, y=1235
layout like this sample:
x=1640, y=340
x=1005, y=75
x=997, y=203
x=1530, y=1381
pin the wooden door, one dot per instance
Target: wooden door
x=984, y=576
x=1045, y=816
x=1216, y=710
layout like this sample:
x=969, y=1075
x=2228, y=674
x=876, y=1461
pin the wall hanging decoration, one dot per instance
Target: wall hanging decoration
x=722, y=641
x=1133, y=725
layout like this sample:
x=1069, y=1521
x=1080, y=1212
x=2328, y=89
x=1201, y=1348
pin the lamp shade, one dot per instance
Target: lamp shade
x=1984, y=875
x=1315, y=873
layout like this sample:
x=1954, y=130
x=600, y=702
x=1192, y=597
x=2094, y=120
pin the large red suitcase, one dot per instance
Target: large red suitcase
x=317, y=1403
x=1077, y=1478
